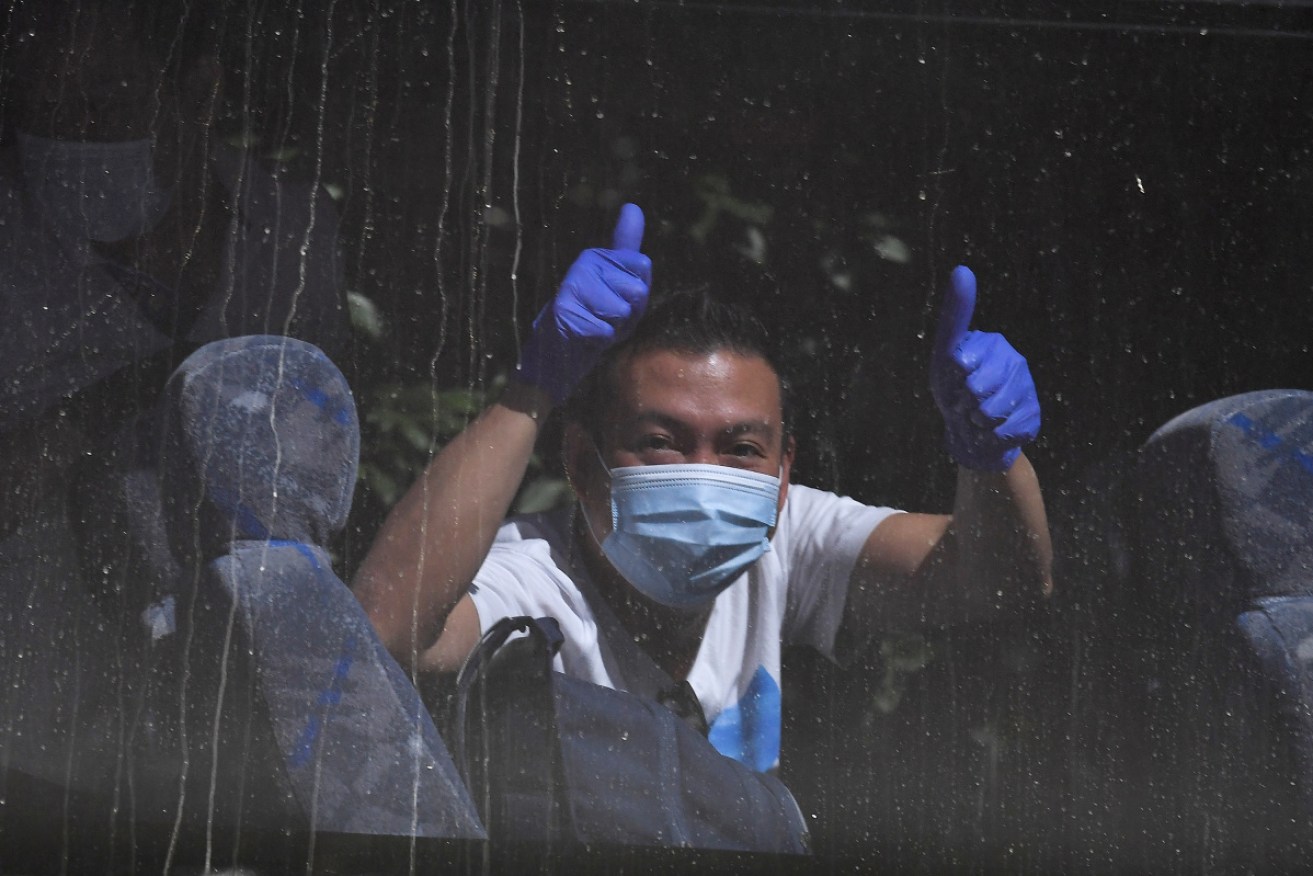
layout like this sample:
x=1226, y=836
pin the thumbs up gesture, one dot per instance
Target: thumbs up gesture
x=600, y=301
x=981, y=384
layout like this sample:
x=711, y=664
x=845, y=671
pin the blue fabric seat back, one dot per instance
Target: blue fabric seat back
x=261, y=447
x=1279, y=630
x=1221, y=593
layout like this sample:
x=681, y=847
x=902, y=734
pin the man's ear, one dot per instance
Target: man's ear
x=786, y=469
x=577, y=452
x=586, y=473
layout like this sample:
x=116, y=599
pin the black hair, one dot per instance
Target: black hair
x=688, y=321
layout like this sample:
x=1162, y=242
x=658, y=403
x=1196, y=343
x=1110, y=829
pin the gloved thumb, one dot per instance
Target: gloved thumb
x=628, y=229
x=956, y=310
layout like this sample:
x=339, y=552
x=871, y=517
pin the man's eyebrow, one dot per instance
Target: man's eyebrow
x=660, y=419
x=674, y=423
x=749, y=427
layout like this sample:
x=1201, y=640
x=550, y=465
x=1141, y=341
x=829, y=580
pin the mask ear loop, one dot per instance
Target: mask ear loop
x=770, y=530
x=588, y=522
x=601, y=460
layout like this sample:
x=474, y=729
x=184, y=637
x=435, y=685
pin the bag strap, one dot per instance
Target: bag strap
x=543, y=632
x=683, y=701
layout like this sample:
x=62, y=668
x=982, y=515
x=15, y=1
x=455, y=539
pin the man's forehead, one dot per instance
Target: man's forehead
x=740, y=389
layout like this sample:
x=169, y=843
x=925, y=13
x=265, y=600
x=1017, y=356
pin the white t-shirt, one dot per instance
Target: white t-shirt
x=793, y=595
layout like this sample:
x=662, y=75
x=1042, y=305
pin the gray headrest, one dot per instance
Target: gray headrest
x=1226, y=498
x=261, y=441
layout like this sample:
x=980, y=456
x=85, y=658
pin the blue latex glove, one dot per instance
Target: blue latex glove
x=599, y=303
x=981, y=384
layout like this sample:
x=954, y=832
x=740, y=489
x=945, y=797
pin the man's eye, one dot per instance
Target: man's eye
x=654, y=442
x=745, y=449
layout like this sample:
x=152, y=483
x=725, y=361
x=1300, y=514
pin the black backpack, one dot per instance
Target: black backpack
x=554, y=759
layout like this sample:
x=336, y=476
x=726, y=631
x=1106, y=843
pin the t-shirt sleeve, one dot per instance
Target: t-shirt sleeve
x=819, y=539
x=509, y=584
x=520, y=577
x=526, y=573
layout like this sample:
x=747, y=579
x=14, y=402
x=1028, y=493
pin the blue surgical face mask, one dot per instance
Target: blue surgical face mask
x=680, y=534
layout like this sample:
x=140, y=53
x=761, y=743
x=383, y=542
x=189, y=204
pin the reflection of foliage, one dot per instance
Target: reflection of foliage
x=876, y=232
x=404, y=424
x=901, y=654
x=714, y=192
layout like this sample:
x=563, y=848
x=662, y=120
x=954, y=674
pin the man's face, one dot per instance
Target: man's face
x=671, y=407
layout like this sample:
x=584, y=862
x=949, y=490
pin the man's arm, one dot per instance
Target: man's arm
x=436, y=538
x=994, y=551
x=928, y=570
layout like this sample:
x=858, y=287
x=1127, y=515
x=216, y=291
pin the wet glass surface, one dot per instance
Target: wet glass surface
x=404, y=184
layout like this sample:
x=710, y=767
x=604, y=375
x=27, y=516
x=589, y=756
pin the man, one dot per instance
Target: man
x=690, y=559
x=131, y=233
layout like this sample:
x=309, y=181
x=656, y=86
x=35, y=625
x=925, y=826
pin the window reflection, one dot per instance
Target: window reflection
x=403, y=185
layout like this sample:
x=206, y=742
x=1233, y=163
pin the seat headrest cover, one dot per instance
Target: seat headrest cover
x=261, y=441
x=1229, y=485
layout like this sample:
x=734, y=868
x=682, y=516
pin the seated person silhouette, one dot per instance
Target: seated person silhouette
x=130, y=234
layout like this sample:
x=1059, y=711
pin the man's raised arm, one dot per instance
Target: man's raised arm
x=994, y=551
x=436, y=538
